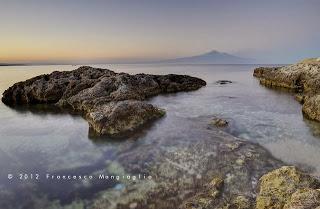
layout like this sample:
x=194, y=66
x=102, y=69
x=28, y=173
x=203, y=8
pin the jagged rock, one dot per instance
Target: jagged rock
x=303, y=78
x=278, y=186
x=111, y=102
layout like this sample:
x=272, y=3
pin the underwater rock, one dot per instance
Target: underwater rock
x=210, y=170
x=286, y=186
x=206, y=197
x=302, y=78
x=200, y=173
x=111, y=102
x=240, y=202
x=219, y=122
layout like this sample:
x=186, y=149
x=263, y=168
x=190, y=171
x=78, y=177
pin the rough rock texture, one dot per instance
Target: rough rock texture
x=304, y=199
x=118, y=117
x=111, y=102
x=303, y=78
x=204, y=172
x=287, y=187
x=207, y=197
x=219, y=122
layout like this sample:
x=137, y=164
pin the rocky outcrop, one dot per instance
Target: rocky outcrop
x=302, y=78
x=288, y=188
x=111, y=102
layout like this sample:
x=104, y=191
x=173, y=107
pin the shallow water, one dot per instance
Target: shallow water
x=40, y=142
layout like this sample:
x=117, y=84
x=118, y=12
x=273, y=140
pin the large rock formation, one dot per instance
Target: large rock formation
x=303, y=78
x=111, y=102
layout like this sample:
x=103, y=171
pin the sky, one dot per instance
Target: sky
x=97, y=31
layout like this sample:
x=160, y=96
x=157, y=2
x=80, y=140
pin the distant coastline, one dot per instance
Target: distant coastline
x=135, y=63
x=34, y=64
x=12, y=64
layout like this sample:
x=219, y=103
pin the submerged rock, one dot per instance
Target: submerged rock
x=207, y=197
x=200, y=172
x=111, y=102
x=287, y=187
x=219, y=122
x=223, y=82
x=241, y=202
x=303, y=78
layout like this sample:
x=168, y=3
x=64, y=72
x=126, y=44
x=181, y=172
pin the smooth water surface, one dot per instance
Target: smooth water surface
x=42, y=142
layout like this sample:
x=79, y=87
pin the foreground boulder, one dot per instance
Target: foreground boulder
x=303, y=78
x=288, y=188
x=115, y=118
x=111, y=102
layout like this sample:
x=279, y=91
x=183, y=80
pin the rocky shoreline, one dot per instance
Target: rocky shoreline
x=211, y=169
x=302, y=78
x=111, y=102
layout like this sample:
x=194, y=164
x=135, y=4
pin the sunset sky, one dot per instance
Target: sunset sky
x=101, y=31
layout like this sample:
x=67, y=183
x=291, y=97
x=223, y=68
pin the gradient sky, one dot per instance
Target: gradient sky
x=277, y=31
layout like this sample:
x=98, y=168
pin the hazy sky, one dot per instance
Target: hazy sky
x=279, y=31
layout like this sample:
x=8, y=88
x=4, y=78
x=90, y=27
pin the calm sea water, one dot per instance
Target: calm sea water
x=40, y=142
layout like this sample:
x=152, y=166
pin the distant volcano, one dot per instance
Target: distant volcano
x=212, y=57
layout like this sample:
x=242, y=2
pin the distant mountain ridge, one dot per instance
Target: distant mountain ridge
x=212, y=57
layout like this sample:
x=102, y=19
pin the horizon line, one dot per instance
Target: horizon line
x=132, y=63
